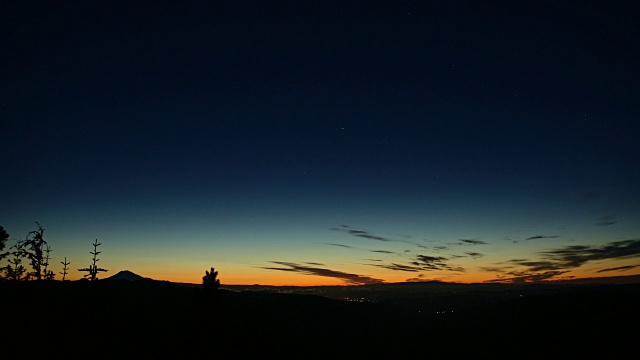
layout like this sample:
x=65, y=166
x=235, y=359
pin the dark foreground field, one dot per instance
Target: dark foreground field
x=146, y=318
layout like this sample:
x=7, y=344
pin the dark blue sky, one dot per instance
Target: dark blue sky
x=242, y=134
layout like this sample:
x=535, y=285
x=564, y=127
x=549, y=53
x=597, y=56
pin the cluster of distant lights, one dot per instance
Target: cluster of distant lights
x=451, y=311
x=355, y=299
x=365, y=300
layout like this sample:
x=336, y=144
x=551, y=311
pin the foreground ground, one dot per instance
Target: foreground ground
x=105, y=319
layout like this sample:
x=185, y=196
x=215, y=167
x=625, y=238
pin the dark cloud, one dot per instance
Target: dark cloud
x=577, y=255
x=496, y=269
x=606, y=221
x=340, y=245
x=367, y=235
x=472, y=241
x=524, y=277
x=399, y=267
x=425, y=259
x=540, y=265
x=542, y=237
x=383, y=251
x=509, y=238
x=418, y=278
x=474, y=255
x=619, y=268
x=418, y=245
x=434, y=263
x=560, y=261
x=360, y=233
x=456, y=268
x=352, y=279
x=422, y=263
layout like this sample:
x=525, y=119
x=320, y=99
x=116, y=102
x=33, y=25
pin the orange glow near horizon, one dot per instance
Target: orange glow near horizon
x=278, y=279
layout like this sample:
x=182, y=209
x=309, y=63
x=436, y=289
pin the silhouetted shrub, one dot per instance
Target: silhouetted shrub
x=4, y=236
x=210, y=280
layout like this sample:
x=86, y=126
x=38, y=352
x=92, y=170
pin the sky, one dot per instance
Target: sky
x=324, y=142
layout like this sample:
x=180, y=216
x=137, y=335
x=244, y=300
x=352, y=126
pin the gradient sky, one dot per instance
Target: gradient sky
x=325, y=142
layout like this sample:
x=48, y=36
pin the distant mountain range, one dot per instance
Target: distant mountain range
x=629, y=279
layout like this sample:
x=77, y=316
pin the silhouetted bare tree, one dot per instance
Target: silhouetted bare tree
x=46, y=273
x=33, y=248
x=65, y=268
x=93, y=269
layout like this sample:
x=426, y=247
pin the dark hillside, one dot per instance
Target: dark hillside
x=160, y=318
x=105, y=319
x=91, y=317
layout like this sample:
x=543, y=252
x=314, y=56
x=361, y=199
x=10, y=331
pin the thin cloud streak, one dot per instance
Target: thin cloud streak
x=367, y=235
x=360, y=233
x=607, y=221
x=351, y=279
x=542, y=237
x=382, y=251
x=473, y=241
x=339, y=245
x=619, y=268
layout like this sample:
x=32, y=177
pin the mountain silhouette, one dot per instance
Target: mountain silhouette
x=127, y=275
